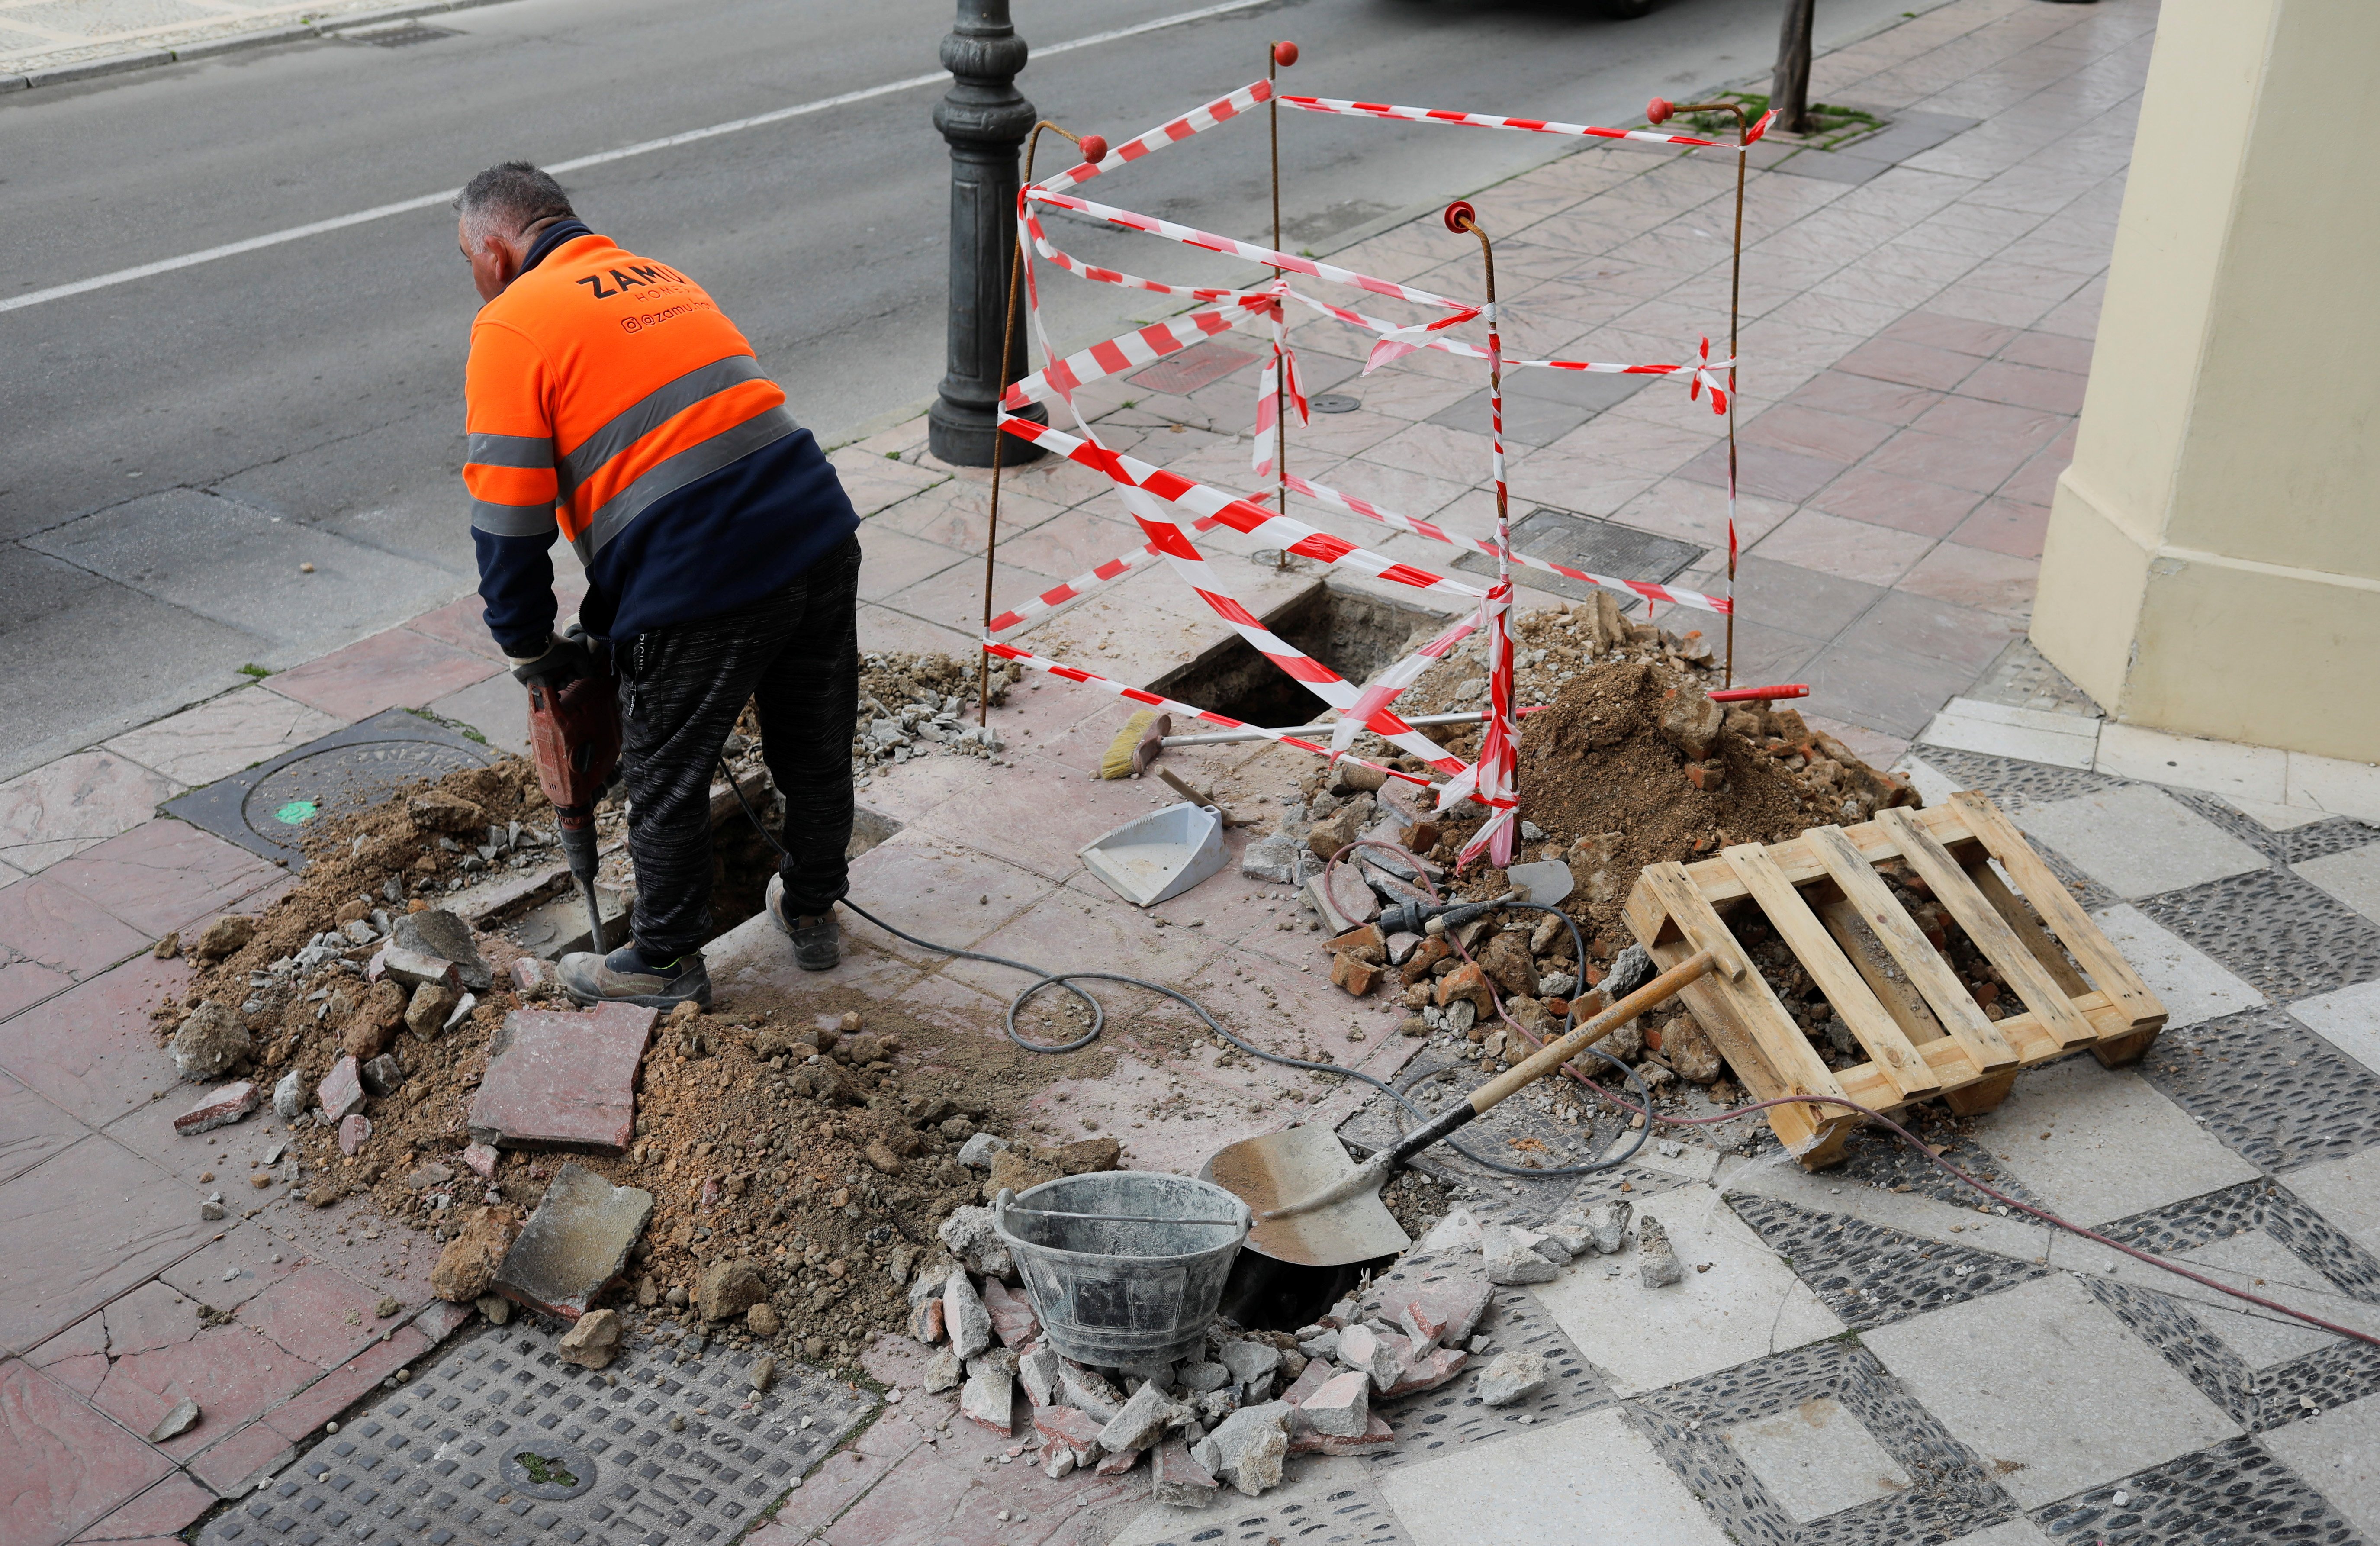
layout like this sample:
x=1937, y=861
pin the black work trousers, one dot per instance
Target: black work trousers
x=796, y=657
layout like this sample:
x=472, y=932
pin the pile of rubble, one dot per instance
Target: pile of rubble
x=909, y=704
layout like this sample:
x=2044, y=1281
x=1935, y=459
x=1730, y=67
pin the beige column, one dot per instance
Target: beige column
x=2212, y=562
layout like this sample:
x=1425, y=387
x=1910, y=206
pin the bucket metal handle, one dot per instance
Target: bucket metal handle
x=1005, y=1203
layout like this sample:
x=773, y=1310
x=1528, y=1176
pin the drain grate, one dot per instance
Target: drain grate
x=1195, y=367
x=266, y=808
x=501, y=1442
x=1600, y=547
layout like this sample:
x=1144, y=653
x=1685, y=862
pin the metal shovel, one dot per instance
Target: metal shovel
x=1318, y=1207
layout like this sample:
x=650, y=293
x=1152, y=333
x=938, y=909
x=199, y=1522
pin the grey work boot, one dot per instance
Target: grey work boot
x=817, y=940
x=626, y=977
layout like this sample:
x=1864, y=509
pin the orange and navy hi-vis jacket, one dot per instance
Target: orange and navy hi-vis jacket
x=609, y=398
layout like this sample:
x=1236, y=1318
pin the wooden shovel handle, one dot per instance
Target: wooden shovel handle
x=1555, y=1053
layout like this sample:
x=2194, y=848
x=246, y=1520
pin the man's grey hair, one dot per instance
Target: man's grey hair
x=508, y=199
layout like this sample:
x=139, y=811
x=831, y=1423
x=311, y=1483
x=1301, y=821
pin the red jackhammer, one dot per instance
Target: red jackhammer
x=574, y=737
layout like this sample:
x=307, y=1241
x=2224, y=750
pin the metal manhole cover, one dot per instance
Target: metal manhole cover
x=1333, y=402
x=546, y=1469
x=1192, y=369
x=1599, y=547
x=266, y=808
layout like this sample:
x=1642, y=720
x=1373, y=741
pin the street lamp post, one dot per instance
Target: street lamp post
x=984, y=120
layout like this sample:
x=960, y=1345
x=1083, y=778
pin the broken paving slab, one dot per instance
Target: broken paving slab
x=576, y=1245
x=439, y=933
x=563, y=1077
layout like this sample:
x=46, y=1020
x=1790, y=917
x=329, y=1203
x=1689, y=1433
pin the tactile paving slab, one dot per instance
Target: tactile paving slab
x=502, y=1443
x=267, y=807
x=1597, y=546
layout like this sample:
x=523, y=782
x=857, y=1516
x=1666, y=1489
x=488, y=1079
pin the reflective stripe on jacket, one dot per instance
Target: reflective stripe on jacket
x=600, y=382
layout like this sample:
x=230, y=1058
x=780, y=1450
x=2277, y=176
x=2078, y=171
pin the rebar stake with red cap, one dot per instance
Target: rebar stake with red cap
x=1282, y=54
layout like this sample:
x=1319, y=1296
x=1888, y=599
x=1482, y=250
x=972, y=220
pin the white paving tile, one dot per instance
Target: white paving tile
x=221, y=737
x=2336, y=786
x=2337, y=1454
x=1817, y=1458
x=2352, y=875
x=2256, y=1263
x=2278, y=818
x=2015, y=1532
x=2187, y=981
x=1591, y=1481
x=2348, y=1019
x=2259, y=772
x=1746, y=1305
x=2138, y=841
x=2346, y=1192
x=2115, y=1147
x=2030, y=735
x=2048, y=1387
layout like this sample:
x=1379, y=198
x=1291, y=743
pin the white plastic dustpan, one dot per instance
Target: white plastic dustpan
x=1162, y=854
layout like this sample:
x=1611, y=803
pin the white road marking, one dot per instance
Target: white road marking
x=734, y=125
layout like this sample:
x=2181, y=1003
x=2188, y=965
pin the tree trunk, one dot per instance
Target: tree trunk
x=1789, y=87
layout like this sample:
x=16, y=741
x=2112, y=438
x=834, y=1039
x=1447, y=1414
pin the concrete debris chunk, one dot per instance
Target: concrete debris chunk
x=1511, y=1256
x=1249, y=1447
x=1609, y=1223
x=210, y=1042
x=926, y=1320
x=415, y=969
x=576, y=1245
x=1067, y=1428
x=976, y=1153
x=174, y=1424
x=425, y=1012
x=1200, y=1378
x=1177, y=1480
x=382, y=1076
x=974, y=1238
x=965, y=1320
x=1039, y=1369
x=1419, y=1369
x=943, y=1372
x=1341, y=1406
x=1087, y=1389
x=1446, y=1312
x=1377, y=1434
x=1657, y=1265
x=1058, y=1462
x=496, y=1308
x=729, y=1288
x=1511, y=1377
x=353, y=1130
x=593, y=1341
x=1139, y=1422
x=1365, y=1350
x=467, y=1266
x=1279, y=858
x=219, y=1108
x=289, y=1096
x=230, y=932
x=439, y=933
x=1573, y=1233
x=1013, y=1319
x=1252, y=1364
x=1549, y=1248
x=990, y=1396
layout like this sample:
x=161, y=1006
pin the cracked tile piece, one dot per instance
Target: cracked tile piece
x=575, y=1243
x=557, y=1077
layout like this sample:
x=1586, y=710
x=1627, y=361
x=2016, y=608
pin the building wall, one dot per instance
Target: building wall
x=2212, y=562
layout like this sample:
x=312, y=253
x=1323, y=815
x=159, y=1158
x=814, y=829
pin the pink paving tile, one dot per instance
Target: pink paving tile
x=32, y=1129
x=2033, y=484
x=1908, y=364
x=1067, y=931
x=245, y=1253
x=46, y=921
x=65, y=806
x=1961, y=333
x=841, y=1477
x=163, y=874
x=563, y=1077
x=1961, y=464
x=891, y=562
x=27, y=983
x=943, y=890
x=232, y=1464
x=2051, y=351
x=83, y=1228
x=1767, y=470
x=2005, y=526
x=1904, y=504
x=1017, y=815
x=76, y=1358
x=322, y=1316
x=1864, y=397
x=393, y=669
x=63, y=1467
x=233, y=1373
x=1977, y=577
x=2003, y=380
x=1838, y=436
x=159, y=1512
x=93, y=1049
x=463, y=622
x=224, y=735
x=324, y=1399
x=2002, y=424
x=153, y=1315
x=1850, y=549
x=944, y=1493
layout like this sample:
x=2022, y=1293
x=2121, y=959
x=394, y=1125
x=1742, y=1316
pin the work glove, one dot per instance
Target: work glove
x=565, y=660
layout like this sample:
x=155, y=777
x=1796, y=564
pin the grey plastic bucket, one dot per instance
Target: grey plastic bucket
x=1124, y=1266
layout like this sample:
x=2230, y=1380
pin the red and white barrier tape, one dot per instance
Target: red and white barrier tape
x=1531, y=126
x=1128, y=351
x=1196, y=121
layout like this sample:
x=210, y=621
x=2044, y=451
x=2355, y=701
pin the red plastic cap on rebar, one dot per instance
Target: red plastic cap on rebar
x=1094, y=147
x=1657, y=111
x=1284, y=54
x=1461, y=216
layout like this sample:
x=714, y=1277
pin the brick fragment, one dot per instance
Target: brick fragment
x=219, y=1108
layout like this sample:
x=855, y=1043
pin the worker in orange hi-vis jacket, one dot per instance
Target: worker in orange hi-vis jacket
x=610, y=400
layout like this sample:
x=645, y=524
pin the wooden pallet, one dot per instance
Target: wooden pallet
x=1922, y=1031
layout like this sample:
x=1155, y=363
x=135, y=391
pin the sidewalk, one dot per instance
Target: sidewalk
x=1864, y=1357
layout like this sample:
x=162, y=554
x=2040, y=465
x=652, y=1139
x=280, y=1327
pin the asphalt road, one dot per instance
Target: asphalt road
x=172, y=447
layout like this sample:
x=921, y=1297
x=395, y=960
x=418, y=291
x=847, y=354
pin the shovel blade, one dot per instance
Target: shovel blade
x=1279, y=1169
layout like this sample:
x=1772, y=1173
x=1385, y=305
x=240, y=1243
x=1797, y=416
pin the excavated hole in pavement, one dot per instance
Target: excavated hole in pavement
x=1352, y=633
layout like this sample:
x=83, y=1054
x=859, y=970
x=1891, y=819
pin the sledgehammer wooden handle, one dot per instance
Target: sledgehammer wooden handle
x=1548, y=1058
